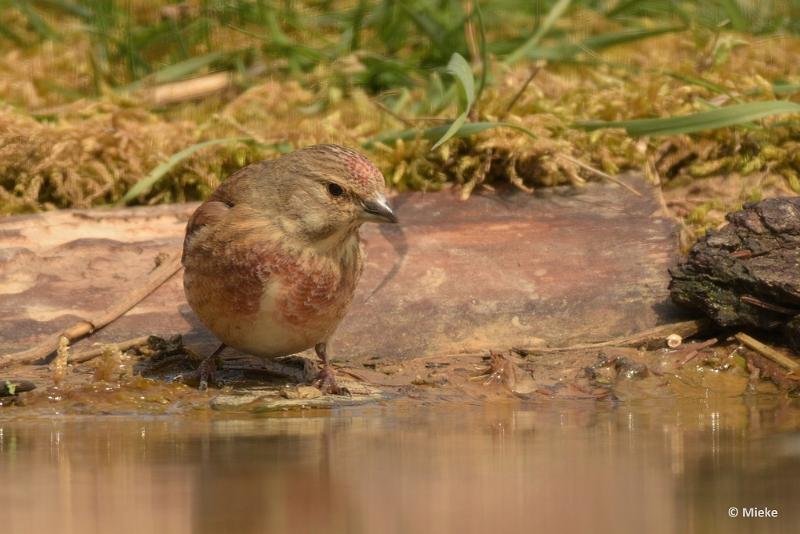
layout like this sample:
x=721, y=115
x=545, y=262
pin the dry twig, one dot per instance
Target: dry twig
x=767, y=305
x=192, y=89
x=155, y=279
x=650, y=338
x=598, y=172
x=768, y=352
x=695, y=350
x=534, y=71
x=91, y=354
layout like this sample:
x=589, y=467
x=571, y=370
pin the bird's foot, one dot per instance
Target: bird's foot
x=326, y=383
x=204, y=375
x=501, y=370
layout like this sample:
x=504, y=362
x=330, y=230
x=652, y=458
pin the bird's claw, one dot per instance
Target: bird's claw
x=203, y=376
x=326, y=383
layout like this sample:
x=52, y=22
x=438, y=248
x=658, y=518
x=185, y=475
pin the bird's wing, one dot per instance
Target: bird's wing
x=216, y=207
x=209, y=213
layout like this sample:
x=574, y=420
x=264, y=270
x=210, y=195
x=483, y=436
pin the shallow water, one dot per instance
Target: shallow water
x=577, y=466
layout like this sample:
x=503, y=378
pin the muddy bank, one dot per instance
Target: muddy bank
x=466, y=301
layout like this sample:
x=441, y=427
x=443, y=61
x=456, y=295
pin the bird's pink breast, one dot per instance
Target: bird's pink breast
x=242, y=287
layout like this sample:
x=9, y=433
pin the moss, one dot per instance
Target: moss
x=59, y=151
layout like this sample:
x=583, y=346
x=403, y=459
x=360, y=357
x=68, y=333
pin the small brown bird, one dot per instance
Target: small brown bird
x=273, y=257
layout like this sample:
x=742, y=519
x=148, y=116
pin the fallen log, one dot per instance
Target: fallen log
x=500, y=270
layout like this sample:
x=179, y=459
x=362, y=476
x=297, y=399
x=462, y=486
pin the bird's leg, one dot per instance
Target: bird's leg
x=206, y=372
x=326, y=380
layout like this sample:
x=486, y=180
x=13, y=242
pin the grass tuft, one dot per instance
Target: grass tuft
x=462, y=92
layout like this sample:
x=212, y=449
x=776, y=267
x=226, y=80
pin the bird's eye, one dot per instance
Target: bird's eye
x=335, y=189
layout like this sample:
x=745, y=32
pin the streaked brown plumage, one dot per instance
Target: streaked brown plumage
x=272, y=258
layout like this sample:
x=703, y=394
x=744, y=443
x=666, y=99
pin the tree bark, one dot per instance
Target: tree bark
x=747, y=274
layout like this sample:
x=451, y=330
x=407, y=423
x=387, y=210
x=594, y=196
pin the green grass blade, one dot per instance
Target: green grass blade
x=459, y=68
x=555, y=13
x=596, y=43
x=68, y=8
x=357, y=25
x=701, y=82
x=607, y=40
x=437, y=132
x=734, y=12
x=176, y=71
x=623, y=7
x=454, y=128
x=427, y=25
x=649, y=8
x=484, y=51
x=786, y=88
x=697, y=122
x=181, y=69
x=145, y=184
x=11, y=36
x=39, y=25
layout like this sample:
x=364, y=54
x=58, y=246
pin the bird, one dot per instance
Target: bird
x=272, y=258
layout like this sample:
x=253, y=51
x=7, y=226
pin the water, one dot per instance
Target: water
x=650, y=466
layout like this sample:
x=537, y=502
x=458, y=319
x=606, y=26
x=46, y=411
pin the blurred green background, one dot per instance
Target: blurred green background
x=108, y=102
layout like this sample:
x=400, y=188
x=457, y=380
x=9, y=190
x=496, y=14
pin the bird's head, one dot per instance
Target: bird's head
x=323, y=192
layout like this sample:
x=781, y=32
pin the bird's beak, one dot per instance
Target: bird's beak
x=377, y=210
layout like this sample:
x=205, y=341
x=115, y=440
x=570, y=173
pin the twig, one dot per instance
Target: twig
x=513, y=102
x=600, y=173
x=154, y=280
x=768, y=352
x=350, y=373
x=386, y=109
x=694, y=351
x=768, y=305
x=408, y=121
x=772, y=371
x=91, y=354
x=650, y=338
x=192, y=89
